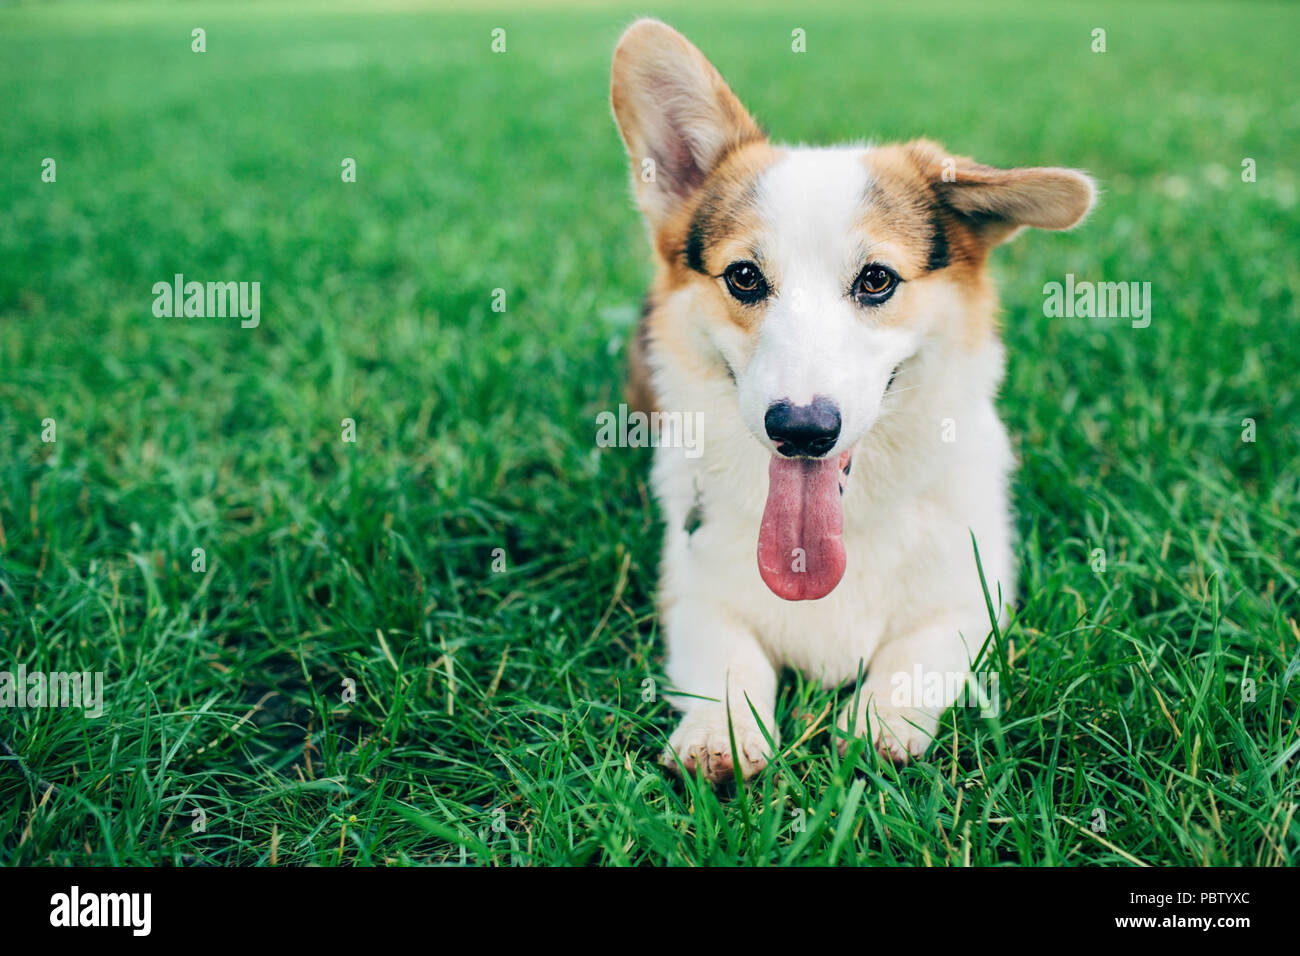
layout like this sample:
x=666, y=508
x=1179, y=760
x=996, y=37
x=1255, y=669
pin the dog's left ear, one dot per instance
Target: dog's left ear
x=677, y=115
x=995, y=203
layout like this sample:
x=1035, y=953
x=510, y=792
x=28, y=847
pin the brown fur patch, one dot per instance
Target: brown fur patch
x=909, y=210
x=724, y=205
x=723, y=208
x=640, y=388
x=904, y=207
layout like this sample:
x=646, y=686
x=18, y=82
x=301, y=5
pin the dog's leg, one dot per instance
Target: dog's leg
x=711, y=655
x=910, y=682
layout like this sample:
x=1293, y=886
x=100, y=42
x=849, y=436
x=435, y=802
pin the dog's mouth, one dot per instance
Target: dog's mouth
x=800, y=542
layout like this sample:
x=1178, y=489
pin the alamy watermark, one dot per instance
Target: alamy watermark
x=1098, y=300
x=940, y=689
x=212, y=300
x=82, y=689
x=635, y=429
x=75, y=908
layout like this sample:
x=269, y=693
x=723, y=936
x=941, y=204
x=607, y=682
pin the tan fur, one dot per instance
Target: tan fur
x=640, y=388
x=725, y=188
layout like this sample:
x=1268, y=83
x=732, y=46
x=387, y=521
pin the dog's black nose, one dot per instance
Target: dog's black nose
x=809, y=430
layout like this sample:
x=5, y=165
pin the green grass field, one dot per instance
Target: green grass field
x=1150, y=707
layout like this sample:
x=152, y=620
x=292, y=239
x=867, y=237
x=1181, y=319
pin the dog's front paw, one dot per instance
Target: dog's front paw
x=703, y=741
x=897, y=733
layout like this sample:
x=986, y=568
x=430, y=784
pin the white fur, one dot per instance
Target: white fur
x=911, y=593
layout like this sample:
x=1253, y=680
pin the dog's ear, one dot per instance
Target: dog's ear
x=677, y=115
x=996, y=203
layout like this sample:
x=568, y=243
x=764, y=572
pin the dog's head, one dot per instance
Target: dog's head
x=814, y=273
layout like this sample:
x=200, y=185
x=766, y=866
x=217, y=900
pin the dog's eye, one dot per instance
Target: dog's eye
x=874, y=285
x=745, y=282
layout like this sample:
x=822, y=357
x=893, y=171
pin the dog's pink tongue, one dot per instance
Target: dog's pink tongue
x=800, y=543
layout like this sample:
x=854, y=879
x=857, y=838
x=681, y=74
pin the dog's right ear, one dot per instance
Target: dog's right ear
x=677, y=115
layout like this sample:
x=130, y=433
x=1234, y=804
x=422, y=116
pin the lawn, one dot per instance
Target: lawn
x=477, y=569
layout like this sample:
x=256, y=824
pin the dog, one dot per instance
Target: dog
x=828, y=316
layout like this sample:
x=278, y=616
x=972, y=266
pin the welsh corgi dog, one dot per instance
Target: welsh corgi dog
x=828, y=316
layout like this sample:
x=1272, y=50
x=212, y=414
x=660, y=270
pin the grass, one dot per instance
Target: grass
x=499, y=717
